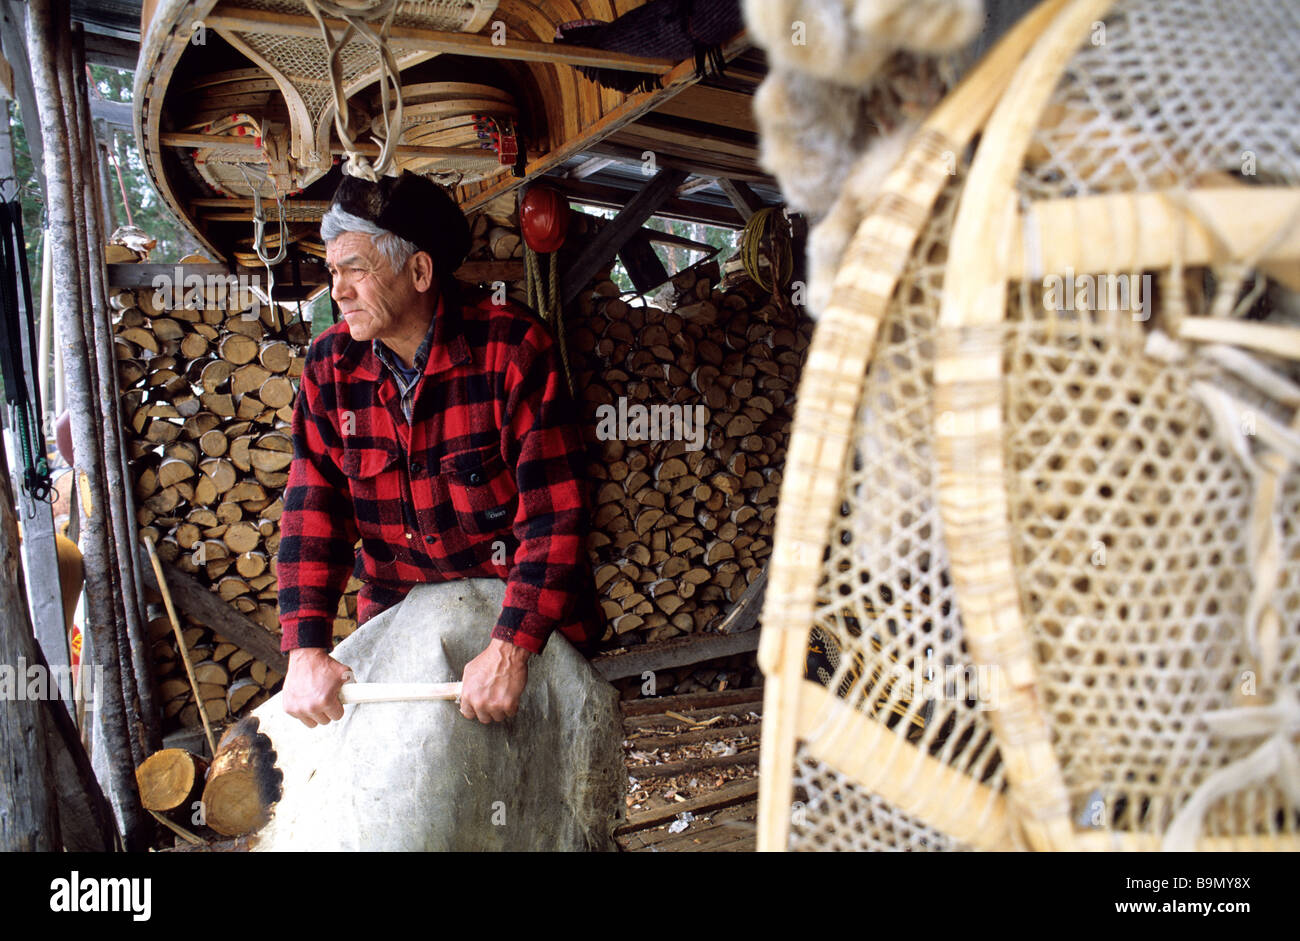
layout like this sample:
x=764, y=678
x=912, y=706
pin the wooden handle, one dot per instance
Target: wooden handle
x=180, y=643
x=397, y=692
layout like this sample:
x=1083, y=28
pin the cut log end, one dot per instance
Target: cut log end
x=243, y=783
x=167, y=779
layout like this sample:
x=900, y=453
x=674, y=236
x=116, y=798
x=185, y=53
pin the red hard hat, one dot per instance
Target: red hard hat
x=544, y=218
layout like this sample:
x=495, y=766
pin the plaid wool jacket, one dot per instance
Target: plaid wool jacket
x=487, y=479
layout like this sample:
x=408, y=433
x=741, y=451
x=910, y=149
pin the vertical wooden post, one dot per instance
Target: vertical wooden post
x=47, y=22
x=30, y=817
x=142, y=710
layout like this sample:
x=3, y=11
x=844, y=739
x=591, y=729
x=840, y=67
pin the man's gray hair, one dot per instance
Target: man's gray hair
x=393, y=247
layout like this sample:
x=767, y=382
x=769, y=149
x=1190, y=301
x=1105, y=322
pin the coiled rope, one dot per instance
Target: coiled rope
x=358, y=16
x=543, y=295
x=766, y=236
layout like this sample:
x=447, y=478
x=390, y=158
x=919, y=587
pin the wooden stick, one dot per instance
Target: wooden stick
x=1277, y=339
x=117, y=473
x=176, y=828
x=43, y=28
x=180, y=642
x=431, y=40
x=397, y=692
x=969, y=390
x=246, y=146
x=31, y=818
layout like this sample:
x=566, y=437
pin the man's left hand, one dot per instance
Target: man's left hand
x=493, y=682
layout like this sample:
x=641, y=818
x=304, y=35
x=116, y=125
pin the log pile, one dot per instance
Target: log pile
x=679, y=533
x=207, y=393
x=682, y=527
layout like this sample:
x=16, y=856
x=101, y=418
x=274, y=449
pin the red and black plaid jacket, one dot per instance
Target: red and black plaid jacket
x=487, y=479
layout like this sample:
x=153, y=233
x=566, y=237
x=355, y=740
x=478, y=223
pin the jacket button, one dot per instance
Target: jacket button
x=416, y=467
x=430, y=538
x=476, y=478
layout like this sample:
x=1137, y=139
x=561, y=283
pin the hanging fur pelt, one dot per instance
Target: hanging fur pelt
x=670, y=29
x=831, y=127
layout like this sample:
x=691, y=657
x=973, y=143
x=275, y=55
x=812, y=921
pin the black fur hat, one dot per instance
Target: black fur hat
x=413, y=207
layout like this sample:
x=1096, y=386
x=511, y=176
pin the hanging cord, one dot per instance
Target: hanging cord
x=358, y=21
x=1276, y=759
x=544, y=297
x=29, y=420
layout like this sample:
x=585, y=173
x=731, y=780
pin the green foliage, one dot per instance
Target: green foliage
x=147, y=209
x=675, y=257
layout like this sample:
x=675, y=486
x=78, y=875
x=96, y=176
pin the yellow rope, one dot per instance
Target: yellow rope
x=765, y=226
x=545, y=299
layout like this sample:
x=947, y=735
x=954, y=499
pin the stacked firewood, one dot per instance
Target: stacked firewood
x=207, y=392
x=682, y=525
x=230, y=680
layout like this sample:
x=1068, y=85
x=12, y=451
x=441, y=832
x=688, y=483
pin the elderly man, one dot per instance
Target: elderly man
x=440, y=433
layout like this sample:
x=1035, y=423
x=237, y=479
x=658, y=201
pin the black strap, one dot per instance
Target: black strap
x=15, y=307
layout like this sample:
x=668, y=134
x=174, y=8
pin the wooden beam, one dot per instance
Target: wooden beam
x=252, y=147
x=695, y=185
x=133, y=276
x=699, y=160
x=667, y=238
x=708, y=733
x=745, y=614
x=689, y=702
x=601, y=251
x=590, y=166
x=113, y=51
x=681, y=77
x=643, y=265
x=85, y=817
x=714, y=106
x=742, y=197
x=480, y=272
x=596, y=194
x=735, y=793
x=194, y=599
x=692, y=765
x=30, y=820
x=245, y=202
x=403, y=38
x=678, y=652
x=690, y=139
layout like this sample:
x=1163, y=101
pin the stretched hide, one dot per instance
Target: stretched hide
x=420, y=776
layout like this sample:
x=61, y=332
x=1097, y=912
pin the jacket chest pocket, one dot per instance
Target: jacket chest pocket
x=483, y=491
x=379, y=499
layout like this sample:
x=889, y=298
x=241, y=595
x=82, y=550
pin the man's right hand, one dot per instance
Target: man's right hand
x=311, y=687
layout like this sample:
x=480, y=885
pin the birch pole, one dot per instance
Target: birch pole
x=47, y=21
x=142, y=711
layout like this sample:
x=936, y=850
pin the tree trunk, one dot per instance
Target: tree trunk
x=45, y=24
x=141, y=707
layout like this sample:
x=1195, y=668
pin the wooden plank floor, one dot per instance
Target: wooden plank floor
x=692, y=762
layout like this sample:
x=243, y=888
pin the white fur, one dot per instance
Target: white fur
x=829, y=238
x=818, y=135
x=831, y=48
x=812, y=132
x=847, y=41
x=919, y=25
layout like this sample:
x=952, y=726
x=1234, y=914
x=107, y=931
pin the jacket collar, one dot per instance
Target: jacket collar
x=447, y=347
